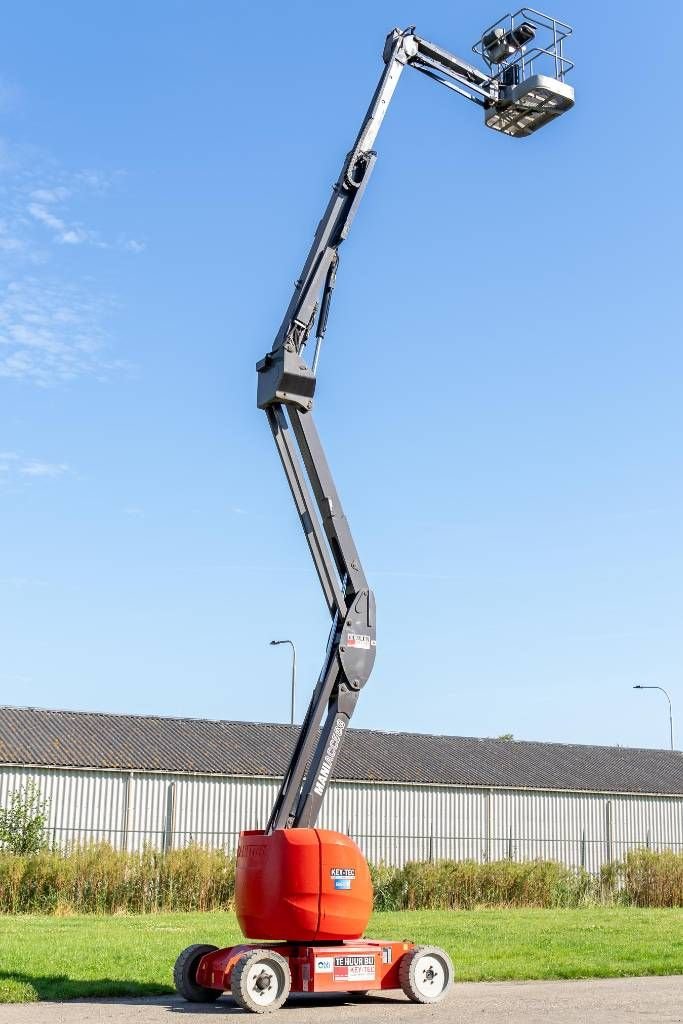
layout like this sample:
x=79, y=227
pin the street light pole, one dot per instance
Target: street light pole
x=671, y=717
x=276, y=643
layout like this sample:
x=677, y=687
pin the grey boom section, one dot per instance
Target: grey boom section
x=516, y=101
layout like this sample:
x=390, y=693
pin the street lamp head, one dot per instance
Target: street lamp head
x=641, y=686
x=276, y=643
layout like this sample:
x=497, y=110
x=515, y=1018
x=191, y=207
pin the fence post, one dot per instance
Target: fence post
x=608, y=831
x=170, y=818
x=510, y=851
x=126, y=812
x=489, y=827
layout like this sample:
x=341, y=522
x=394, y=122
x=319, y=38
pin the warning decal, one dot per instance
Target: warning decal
x=354, y=968
x=361, y=640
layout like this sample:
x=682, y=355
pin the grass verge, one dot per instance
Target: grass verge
x=85, y=956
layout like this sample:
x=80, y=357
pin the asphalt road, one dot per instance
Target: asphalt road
x=612, y=1001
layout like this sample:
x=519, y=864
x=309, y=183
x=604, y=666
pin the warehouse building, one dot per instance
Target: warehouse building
x=134, y=780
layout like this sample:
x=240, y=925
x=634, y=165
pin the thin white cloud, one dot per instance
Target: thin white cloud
x=35, y=468
x=71, y=235
x=15, y=468
x=45, y=217
x=9, y=242
x=133, y=245
x=74, y=236
x=51, y=195
x=38, y=195
x=97, y=180
x=51, y=329
x=51, y=332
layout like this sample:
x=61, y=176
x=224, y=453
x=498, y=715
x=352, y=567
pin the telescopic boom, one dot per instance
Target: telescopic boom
x=516, y=101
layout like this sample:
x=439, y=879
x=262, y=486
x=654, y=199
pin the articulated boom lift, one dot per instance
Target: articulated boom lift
x=307, y=891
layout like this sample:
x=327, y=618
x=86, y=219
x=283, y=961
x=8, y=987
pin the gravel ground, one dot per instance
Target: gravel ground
x=612, y=1001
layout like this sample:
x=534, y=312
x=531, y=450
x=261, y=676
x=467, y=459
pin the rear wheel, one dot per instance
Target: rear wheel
x=185, y=975
x=261, y=981
x=426, y=974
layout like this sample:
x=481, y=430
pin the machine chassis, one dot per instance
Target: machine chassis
x=424, y=973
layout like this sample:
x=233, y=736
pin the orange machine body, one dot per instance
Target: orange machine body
x=301, y=885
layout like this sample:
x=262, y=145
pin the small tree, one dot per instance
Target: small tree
x=23, y=822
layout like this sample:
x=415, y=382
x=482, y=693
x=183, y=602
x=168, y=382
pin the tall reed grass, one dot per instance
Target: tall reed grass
x=97, y=879
x=648, y=879
x=464, y=885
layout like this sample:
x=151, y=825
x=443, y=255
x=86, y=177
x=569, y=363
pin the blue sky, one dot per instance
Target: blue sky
x=499, y=394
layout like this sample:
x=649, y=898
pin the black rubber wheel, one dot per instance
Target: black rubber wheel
x=260, y=981
x=185, y=975
x=425, y=974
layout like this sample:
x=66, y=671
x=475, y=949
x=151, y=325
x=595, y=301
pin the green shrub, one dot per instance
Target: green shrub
x=23, y=822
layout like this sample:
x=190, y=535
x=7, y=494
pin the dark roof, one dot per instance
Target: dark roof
x=78, y=739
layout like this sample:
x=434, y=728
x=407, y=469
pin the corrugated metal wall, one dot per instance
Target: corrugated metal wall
x=393, y=823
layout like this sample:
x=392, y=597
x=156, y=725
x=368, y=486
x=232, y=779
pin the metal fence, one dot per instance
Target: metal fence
x=581, y=852
x=391, y=823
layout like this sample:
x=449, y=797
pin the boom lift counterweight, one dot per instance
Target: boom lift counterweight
x=307, y=891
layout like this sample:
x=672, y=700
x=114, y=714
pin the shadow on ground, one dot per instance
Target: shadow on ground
x=226, y=1005
x=16, y=987
x=25, y=988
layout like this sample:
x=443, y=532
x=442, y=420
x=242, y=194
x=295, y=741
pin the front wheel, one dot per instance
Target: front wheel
x=260, y=981
x=426, y=974
x=185, y=975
